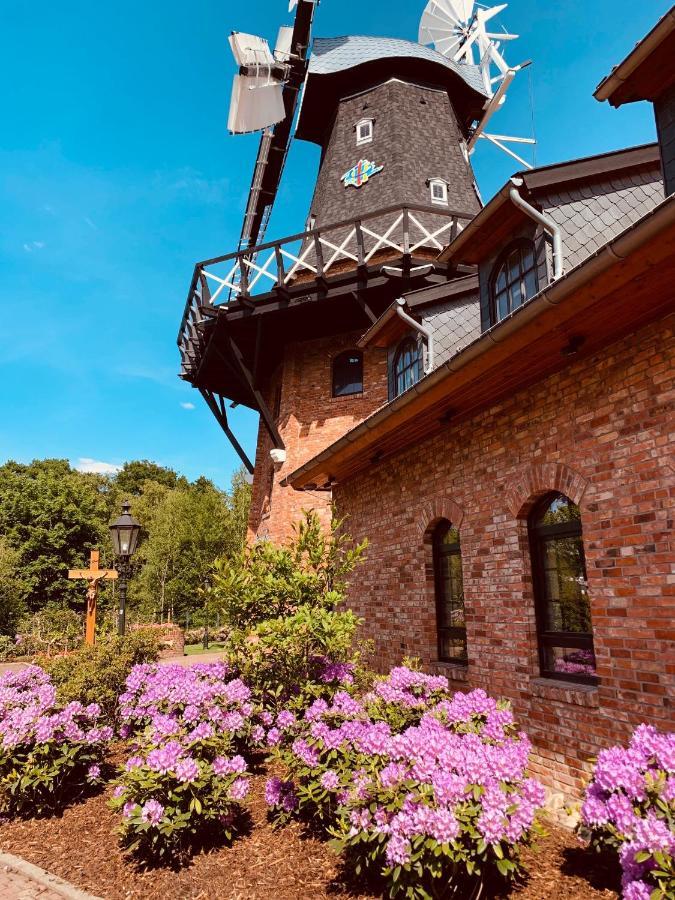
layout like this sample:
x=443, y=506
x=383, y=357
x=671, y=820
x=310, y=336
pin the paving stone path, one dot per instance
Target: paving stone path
x=215, y=656
x=17, y=887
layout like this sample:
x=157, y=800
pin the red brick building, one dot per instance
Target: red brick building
x=486, y=393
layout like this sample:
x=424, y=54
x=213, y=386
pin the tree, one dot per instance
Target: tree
x=51, y=516
x=11, y=607
x=132, y=479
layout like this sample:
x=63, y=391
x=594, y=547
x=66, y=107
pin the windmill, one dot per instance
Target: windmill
x=459, y=30
x=265, y=97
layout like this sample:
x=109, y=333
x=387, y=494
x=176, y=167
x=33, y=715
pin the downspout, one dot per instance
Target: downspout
x=425, y=332
x=548, y=224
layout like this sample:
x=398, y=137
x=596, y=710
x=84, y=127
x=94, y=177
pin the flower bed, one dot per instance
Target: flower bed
x=184, y=774
x=630, y=806
x=425, y=788
x=47, y=751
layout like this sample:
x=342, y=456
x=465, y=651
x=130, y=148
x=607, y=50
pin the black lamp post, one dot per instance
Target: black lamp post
x=124, y=533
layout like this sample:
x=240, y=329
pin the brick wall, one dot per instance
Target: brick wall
x=310, y=419
x=599, y=432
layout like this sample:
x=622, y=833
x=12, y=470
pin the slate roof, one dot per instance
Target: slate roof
x=330, y=55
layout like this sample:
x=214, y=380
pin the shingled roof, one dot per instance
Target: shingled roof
x=330, y=55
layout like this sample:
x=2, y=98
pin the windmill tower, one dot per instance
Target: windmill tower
x=278, y=326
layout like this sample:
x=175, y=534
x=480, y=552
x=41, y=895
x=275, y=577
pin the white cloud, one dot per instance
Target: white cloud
x=96, y=467
x=188, y=405
x=33, y=245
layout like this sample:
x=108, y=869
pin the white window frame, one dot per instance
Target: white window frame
x=438, y=182
x=360, y=141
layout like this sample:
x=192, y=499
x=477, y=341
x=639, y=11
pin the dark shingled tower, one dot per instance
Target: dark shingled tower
x=395, y=111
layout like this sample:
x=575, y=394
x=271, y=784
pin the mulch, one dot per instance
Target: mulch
x=263, y=863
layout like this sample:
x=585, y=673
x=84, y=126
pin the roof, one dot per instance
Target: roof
x=343, y=66
x=330, y=55
x=622, y=287
x=500, y=217
x=647, y=71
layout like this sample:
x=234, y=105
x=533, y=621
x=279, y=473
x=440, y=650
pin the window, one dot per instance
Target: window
x=514, y=280
x=561, y=591
x=407, y=366
x=364, y=132
x=449, y=584
x=348, y=373
x=439, y=191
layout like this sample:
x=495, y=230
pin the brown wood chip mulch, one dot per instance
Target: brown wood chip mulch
x=283, y=864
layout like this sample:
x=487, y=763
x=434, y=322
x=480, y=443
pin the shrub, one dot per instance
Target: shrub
x=55, y=629
x=429, y=807
x=268, y=582
x=98, y=674
x=47, y=752
x=170, y=792
x=630, y=807
x=8, y=648
x=294, y=657
x=185, y=773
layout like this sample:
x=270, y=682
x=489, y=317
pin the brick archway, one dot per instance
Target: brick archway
x=436, y=509
x=539, y=479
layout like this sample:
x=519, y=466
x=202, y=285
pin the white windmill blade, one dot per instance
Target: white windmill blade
x=282, y=50
x=257, y=103
x=442, y=18
x=250, y=50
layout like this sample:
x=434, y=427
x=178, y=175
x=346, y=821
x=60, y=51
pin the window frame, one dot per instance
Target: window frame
x=438, y=182
x=361, y=141
x=439, y=551
x=343, y=355
x=574, y=640
x=407, y=341
x=521, y=245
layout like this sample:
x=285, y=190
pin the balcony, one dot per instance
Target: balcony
x=399, y=237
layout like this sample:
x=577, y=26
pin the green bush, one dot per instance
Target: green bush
x=98, y=674
x=286, y=634
x=292, y=656
x=267, y=582
x=8, y=648
x=55, y=629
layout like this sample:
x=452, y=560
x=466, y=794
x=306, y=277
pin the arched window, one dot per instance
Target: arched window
x=449, y=584
x=514, y=279
x=348, y=373
x=561, y=590
x=407, y=365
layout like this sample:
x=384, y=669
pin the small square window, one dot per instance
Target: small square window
x=364, y=132
x=439, y=192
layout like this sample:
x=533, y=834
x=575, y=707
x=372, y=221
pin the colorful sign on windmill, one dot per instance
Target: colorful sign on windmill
x=362, y=172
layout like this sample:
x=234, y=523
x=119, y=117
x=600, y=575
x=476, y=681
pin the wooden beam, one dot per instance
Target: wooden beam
x=221, y=417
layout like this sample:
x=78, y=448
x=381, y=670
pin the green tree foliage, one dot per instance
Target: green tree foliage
x=11, y=605
x=133, y=478
x=51, y=516
x=266, y=581
x=282, y=606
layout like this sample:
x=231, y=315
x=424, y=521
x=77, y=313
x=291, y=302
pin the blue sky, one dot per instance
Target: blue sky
x=117, y=174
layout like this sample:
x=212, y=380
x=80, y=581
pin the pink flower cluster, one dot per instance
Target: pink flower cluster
x=29, y=714
x=578, y=662
x=184, y=720
x=409, y=688
x=464, y=762
x=630, y=804
x=194, y=702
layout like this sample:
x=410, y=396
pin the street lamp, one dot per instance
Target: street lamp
x=124, y=533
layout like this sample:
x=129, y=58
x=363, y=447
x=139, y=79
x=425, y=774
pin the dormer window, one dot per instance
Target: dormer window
x=514, y=279
x=439, y=191
x=364, y=132
x=407, y=369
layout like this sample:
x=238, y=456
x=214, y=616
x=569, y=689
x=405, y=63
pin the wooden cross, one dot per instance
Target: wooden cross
x=93, y=575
